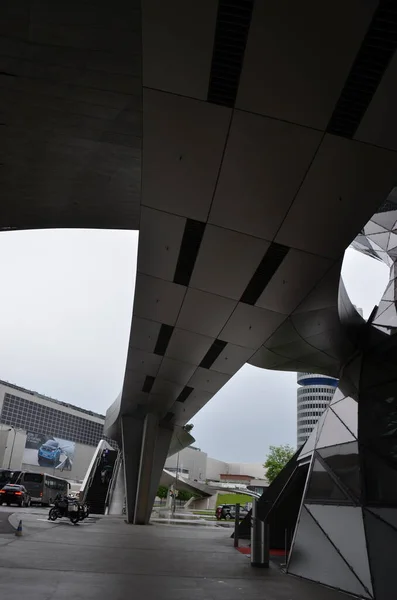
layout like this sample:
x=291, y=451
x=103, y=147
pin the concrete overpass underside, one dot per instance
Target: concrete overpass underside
x=249, y=142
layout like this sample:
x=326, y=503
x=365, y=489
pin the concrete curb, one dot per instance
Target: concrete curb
x=14, y=519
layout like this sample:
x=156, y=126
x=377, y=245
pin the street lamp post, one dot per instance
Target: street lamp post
x=12, y=447
x=176, y=482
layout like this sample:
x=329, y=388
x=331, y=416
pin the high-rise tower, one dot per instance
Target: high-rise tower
x=314, y=394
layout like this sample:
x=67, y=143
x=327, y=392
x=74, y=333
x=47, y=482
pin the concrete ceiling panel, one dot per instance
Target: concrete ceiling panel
x=290, y=284
x=324, y=294
x=208, y=380
x=146, y=362
x=219, y=249
x=188, y=346
x=182, y=158
x=204, y=313
x=178, y=39
x=157, y=299
x=356, y=174
x=253, y=194
x=176, y=370
x=160, y=238
x=168, y=389
x=285, y=334
x=144, y=334
x=291, y=70
x=266, y=359
x=319, y=321
x=250, y=326
x=133, y=382
x=185, y=410
x=379, y=124
x=231, y=359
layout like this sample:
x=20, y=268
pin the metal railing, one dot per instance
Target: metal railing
x=91, y=472
x=112, y=484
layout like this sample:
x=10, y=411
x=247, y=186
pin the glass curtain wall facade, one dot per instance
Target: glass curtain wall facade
x=314, y=394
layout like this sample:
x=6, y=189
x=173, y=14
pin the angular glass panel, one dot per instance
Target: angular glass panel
x=345, y=527
x=310, y=443
x=361, y=240
x=323, y=487
x=372, y=227
x=390, y=293
x=392, y=241
x=387, y=514
x=381, y=239
x=314, y=557
x=347, y=410
x=343, y=461
x=385, y=219
x=388, y=318
x=333, y=432
x=320, y=424
x=380, y=480
x=383, y=563
x=377, y=412
x=383, y=306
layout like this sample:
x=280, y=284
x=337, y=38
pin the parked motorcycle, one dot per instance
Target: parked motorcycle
x=84, y=511
x=65, y=507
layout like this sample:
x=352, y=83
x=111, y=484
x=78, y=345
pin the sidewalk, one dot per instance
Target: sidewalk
x=110, y=559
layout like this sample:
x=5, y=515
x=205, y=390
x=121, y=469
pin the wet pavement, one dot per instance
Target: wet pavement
x=109, y=559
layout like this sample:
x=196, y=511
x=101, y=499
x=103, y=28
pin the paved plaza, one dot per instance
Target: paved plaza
x=107, y=559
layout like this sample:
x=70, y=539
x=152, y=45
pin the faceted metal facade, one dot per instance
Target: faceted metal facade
x=346, y=535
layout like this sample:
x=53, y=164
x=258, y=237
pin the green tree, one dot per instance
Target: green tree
x=276, y=460
x=184, y=495
x=162, y=492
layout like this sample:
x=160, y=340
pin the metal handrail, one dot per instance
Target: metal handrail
x=91, y=476
x=112, y=483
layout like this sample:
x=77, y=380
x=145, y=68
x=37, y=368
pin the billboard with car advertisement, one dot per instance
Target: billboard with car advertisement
x=44, y=450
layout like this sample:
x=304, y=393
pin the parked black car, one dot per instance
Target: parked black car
x=228, y=511
x=14, y=494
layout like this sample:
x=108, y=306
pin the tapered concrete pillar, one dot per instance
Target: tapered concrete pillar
x=155, y=444
x=145, y=447
x=131, y=431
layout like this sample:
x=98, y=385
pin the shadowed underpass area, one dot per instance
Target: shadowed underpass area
x=110, y=560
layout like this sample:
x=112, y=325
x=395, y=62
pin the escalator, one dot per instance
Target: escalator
x=279, y=505
x=98, y=479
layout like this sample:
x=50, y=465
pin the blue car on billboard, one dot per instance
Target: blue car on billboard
x=50, y=452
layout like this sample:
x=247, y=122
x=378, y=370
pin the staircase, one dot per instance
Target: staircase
x=97, y=491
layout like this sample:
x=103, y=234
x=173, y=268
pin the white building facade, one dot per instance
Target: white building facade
x=196, y=465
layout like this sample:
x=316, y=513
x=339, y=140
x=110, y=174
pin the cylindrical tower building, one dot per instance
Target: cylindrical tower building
x=314, y=395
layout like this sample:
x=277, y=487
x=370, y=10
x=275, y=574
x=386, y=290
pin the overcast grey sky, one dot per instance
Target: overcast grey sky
x=65, y=311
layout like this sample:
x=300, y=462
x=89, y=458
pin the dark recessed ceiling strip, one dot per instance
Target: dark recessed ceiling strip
x=213, y=354
x=168, y=417
x=163, y=339
x=192, y=236
x=231, y=32
x=267, y=268
x=148, y=384
x=185, y=393
x=373, y=58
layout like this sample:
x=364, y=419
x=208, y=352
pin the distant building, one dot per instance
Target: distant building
x=196, y=465
x=314, y=395
x=38, y=433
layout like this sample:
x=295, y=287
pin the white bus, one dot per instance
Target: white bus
x=42, y=488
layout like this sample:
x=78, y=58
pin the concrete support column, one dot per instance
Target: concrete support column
x=155, y=444
x=145, y=448
x=131, y=433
